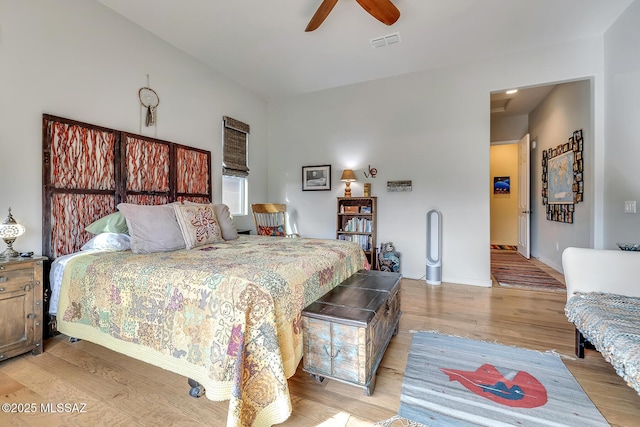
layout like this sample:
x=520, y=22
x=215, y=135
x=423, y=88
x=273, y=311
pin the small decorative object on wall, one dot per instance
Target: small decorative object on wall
x=501, y=185
x=316, y=178
x=371, y=173
x=562, y=178
x=399, y=185
x=150, y=100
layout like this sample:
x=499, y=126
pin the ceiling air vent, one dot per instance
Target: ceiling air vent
x=389, y=39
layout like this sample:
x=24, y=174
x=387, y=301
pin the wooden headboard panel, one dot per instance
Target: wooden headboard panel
x=87, y=170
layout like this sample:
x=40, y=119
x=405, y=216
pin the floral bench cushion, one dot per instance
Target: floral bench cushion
x=612, y=324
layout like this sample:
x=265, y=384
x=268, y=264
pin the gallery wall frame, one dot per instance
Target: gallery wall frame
x=563, y=178
x=316, y=178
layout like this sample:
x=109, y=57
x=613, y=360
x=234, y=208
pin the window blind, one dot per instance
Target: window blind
x=234, y=152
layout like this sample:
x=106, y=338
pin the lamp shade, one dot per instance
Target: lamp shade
x=348, y=176
x=10, y=229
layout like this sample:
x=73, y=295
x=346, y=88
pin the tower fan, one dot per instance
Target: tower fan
x=434, y=247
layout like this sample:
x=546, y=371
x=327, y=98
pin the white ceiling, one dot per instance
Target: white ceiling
x=520, y=103
x=261, y=44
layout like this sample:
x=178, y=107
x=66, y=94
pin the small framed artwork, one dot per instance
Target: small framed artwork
x=316, y=178
x=501, y=185
x=405, y=185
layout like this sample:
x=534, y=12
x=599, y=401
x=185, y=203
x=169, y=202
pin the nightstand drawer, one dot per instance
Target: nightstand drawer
x=13, y=279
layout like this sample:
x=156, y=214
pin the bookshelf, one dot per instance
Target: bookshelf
x=356, y=221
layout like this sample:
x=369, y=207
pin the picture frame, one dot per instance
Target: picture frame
x=501, y=185
x=563, y=179
x=316, y=178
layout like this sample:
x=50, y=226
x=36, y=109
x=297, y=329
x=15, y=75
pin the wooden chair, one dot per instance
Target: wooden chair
x=271, y=219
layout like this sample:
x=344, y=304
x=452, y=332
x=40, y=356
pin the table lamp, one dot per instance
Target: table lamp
x=9, y=231
x=348, y=176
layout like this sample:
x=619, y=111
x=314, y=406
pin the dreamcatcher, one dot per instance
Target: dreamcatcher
x=149, y=100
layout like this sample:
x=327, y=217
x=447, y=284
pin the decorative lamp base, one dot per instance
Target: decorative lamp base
x=347, y=189
x=9, y=252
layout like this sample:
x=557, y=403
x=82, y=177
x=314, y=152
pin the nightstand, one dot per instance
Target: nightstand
x=21, y=307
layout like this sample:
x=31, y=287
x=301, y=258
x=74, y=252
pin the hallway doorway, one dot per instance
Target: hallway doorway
x=549, y=113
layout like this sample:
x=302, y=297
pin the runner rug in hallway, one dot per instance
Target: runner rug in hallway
x=453, y=381
x=513, y=270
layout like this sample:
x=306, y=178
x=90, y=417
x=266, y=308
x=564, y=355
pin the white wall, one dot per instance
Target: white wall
x=567, y=108
x=431, y=127
x=78, y=59
x=623, y=117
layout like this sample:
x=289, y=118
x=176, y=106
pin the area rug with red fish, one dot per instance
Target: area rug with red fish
x=511, y=269
x=454, y=381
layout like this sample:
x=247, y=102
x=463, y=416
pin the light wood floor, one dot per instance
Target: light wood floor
x=120, y=391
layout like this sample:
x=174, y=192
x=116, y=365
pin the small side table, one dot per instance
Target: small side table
x=21, y=306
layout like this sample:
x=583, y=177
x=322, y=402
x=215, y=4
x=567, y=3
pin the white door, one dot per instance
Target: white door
x=524, y=211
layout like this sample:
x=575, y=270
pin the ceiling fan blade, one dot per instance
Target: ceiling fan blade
x=383, y=10
x=321, y=14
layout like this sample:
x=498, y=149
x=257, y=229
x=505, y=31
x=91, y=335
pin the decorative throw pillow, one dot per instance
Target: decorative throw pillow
x=271, y=231
x=108, y=242
x=113, y=223
x=198, y=224
x=153, y=228
x=225, y=220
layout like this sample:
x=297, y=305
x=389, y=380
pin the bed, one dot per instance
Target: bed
x=225, y=313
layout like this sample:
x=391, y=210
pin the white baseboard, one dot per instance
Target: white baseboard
x=483, y=283
x=551, y=264
x=456, y=281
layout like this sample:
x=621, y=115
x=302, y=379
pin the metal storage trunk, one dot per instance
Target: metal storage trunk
x=347, y=331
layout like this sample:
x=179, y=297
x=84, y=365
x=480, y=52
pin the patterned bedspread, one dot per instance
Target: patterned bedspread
x=612, y=324
x=226, y=315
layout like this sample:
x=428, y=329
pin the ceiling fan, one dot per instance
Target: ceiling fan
x=383, y=10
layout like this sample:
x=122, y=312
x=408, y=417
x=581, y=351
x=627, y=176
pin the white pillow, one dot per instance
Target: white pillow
x=108, y=242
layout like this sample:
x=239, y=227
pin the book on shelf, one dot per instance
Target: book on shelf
x=361, y=239
x=361, y=225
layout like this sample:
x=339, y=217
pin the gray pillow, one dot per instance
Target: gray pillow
x=152, y=228
x=225, y=221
